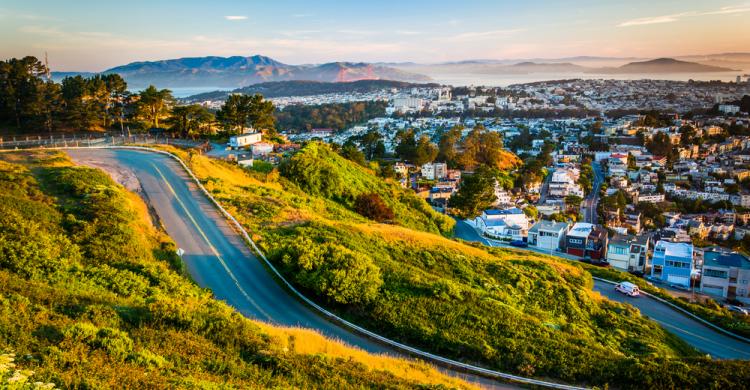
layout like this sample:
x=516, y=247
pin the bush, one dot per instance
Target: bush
x=333, y=271
x=372, y=206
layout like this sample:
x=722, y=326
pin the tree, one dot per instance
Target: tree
x=660, y=145
x=79, y=112
x=240, y=111
x=117, y=95
x=406, y=149
x=425, y=151
x=476, y=194
x=154, y=105
x=482, y=147
x=191, y=120
x=20, y=89
x=350, y=152
x=687, y=135
x=372, y=206
x=573, y=202
x=448, y=146
x=370, y=142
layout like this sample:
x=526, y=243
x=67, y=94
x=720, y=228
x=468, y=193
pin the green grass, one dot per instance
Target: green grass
x=93, y=296
x=524, y=313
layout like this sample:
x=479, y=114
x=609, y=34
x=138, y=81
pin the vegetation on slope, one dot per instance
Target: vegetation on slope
x=519, y=312
x=319, y=171
x=91, y=296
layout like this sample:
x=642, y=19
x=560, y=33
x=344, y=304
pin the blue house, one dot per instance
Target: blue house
x=673, y=262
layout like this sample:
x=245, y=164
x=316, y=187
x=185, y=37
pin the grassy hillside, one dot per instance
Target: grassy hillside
x=519, y=312
x=319, y=171
x=92, y=296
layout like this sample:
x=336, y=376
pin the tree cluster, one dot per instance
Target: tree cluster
x=31, y=102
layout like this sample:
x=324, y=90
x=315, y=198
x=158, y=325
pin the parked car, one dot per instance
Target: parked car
x=737, y=309
x=628, y=288
x=519, y=243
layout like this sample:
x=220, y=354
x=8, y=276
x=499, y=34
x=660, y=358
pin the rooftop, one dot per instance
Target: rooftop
x=514, y=210
x=621, y=239
x=723, y=258
x=581, y=229
x=675, y=249
x=548, y=226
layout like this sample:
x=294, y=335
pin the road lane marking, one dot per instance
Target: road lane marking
x=707, y=340
x=213, y=249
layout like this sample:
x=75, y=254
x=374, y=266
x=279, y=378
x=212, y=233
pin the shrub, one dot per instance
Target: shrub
x=372, y=206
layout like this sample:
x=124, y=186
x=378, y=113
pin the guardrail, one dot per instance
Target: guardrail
x=684, y=311
x=442, y=361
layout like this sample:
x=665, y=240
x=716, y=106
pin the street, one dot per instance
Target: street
x=691, y=331
x=590, y=203
x=216, y=256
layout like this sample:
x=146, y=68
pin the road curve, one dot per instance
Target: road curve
x=691, y=331
x=215, y=255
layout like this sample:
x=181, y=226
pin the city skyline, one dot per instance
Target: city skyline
x=84, y=36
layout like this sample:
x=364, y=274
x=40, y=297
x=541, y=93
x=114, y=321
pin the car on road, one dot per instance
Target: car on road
x=519, y=244
x=628, y=288
x=737, y=309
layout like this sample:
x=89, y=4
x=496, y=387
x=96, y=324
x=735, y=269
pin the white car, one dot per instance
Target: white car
x=628, y=288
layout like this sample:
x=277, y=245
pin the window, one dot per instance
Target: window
x=715, y=273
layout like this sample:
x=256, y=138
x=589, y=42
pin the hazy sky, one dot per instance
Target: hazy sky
x=95, y=35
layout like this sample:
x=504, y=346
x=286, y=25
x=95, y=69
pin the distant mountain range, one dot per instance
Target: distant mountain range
x=306, y=88
x=590, y=65
x=237, y=71
x=662, y=65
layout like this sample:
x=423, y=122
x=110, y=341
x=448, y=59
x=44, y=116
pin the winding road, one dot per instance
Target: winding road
x=216, y=256
x=691, y=331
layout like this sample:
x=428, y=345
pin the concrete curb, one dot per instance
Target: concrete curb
x=399, y=346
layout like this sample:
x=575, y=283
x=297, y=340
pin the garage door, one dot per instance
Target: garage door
x=715, y=291
x=681, y=280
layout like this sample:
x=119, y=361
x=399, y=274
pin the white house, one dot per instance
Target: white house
x=242, y=140
x=628, y=253
x=548, y=235
x=435, y=171
x=509, y=224
x=563, y=183
x=262, y=148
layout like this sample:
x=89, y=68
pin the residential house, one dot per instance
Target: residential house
x=548, y=235
x=673, y=262
x=726, y=274
x=564, y=183
x=242, y=140
x=627, y=252
x=507, y=224
x=586, y=240
x=261, y=148
x=435, y=171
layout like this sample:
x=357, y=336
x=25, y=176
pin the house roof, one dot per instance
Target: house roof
x=548, y=226
x=676, y=249
x=723, y=258
x=625, y=240
x=513, y=210
x=581, y=229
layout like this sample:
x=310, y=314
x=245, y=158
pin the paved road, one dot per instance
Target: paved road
x=215, y=256
x=592, y=200
x=693, y=332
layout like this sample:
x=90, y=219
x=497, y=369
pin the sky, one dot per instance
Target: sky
x=97, y=35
